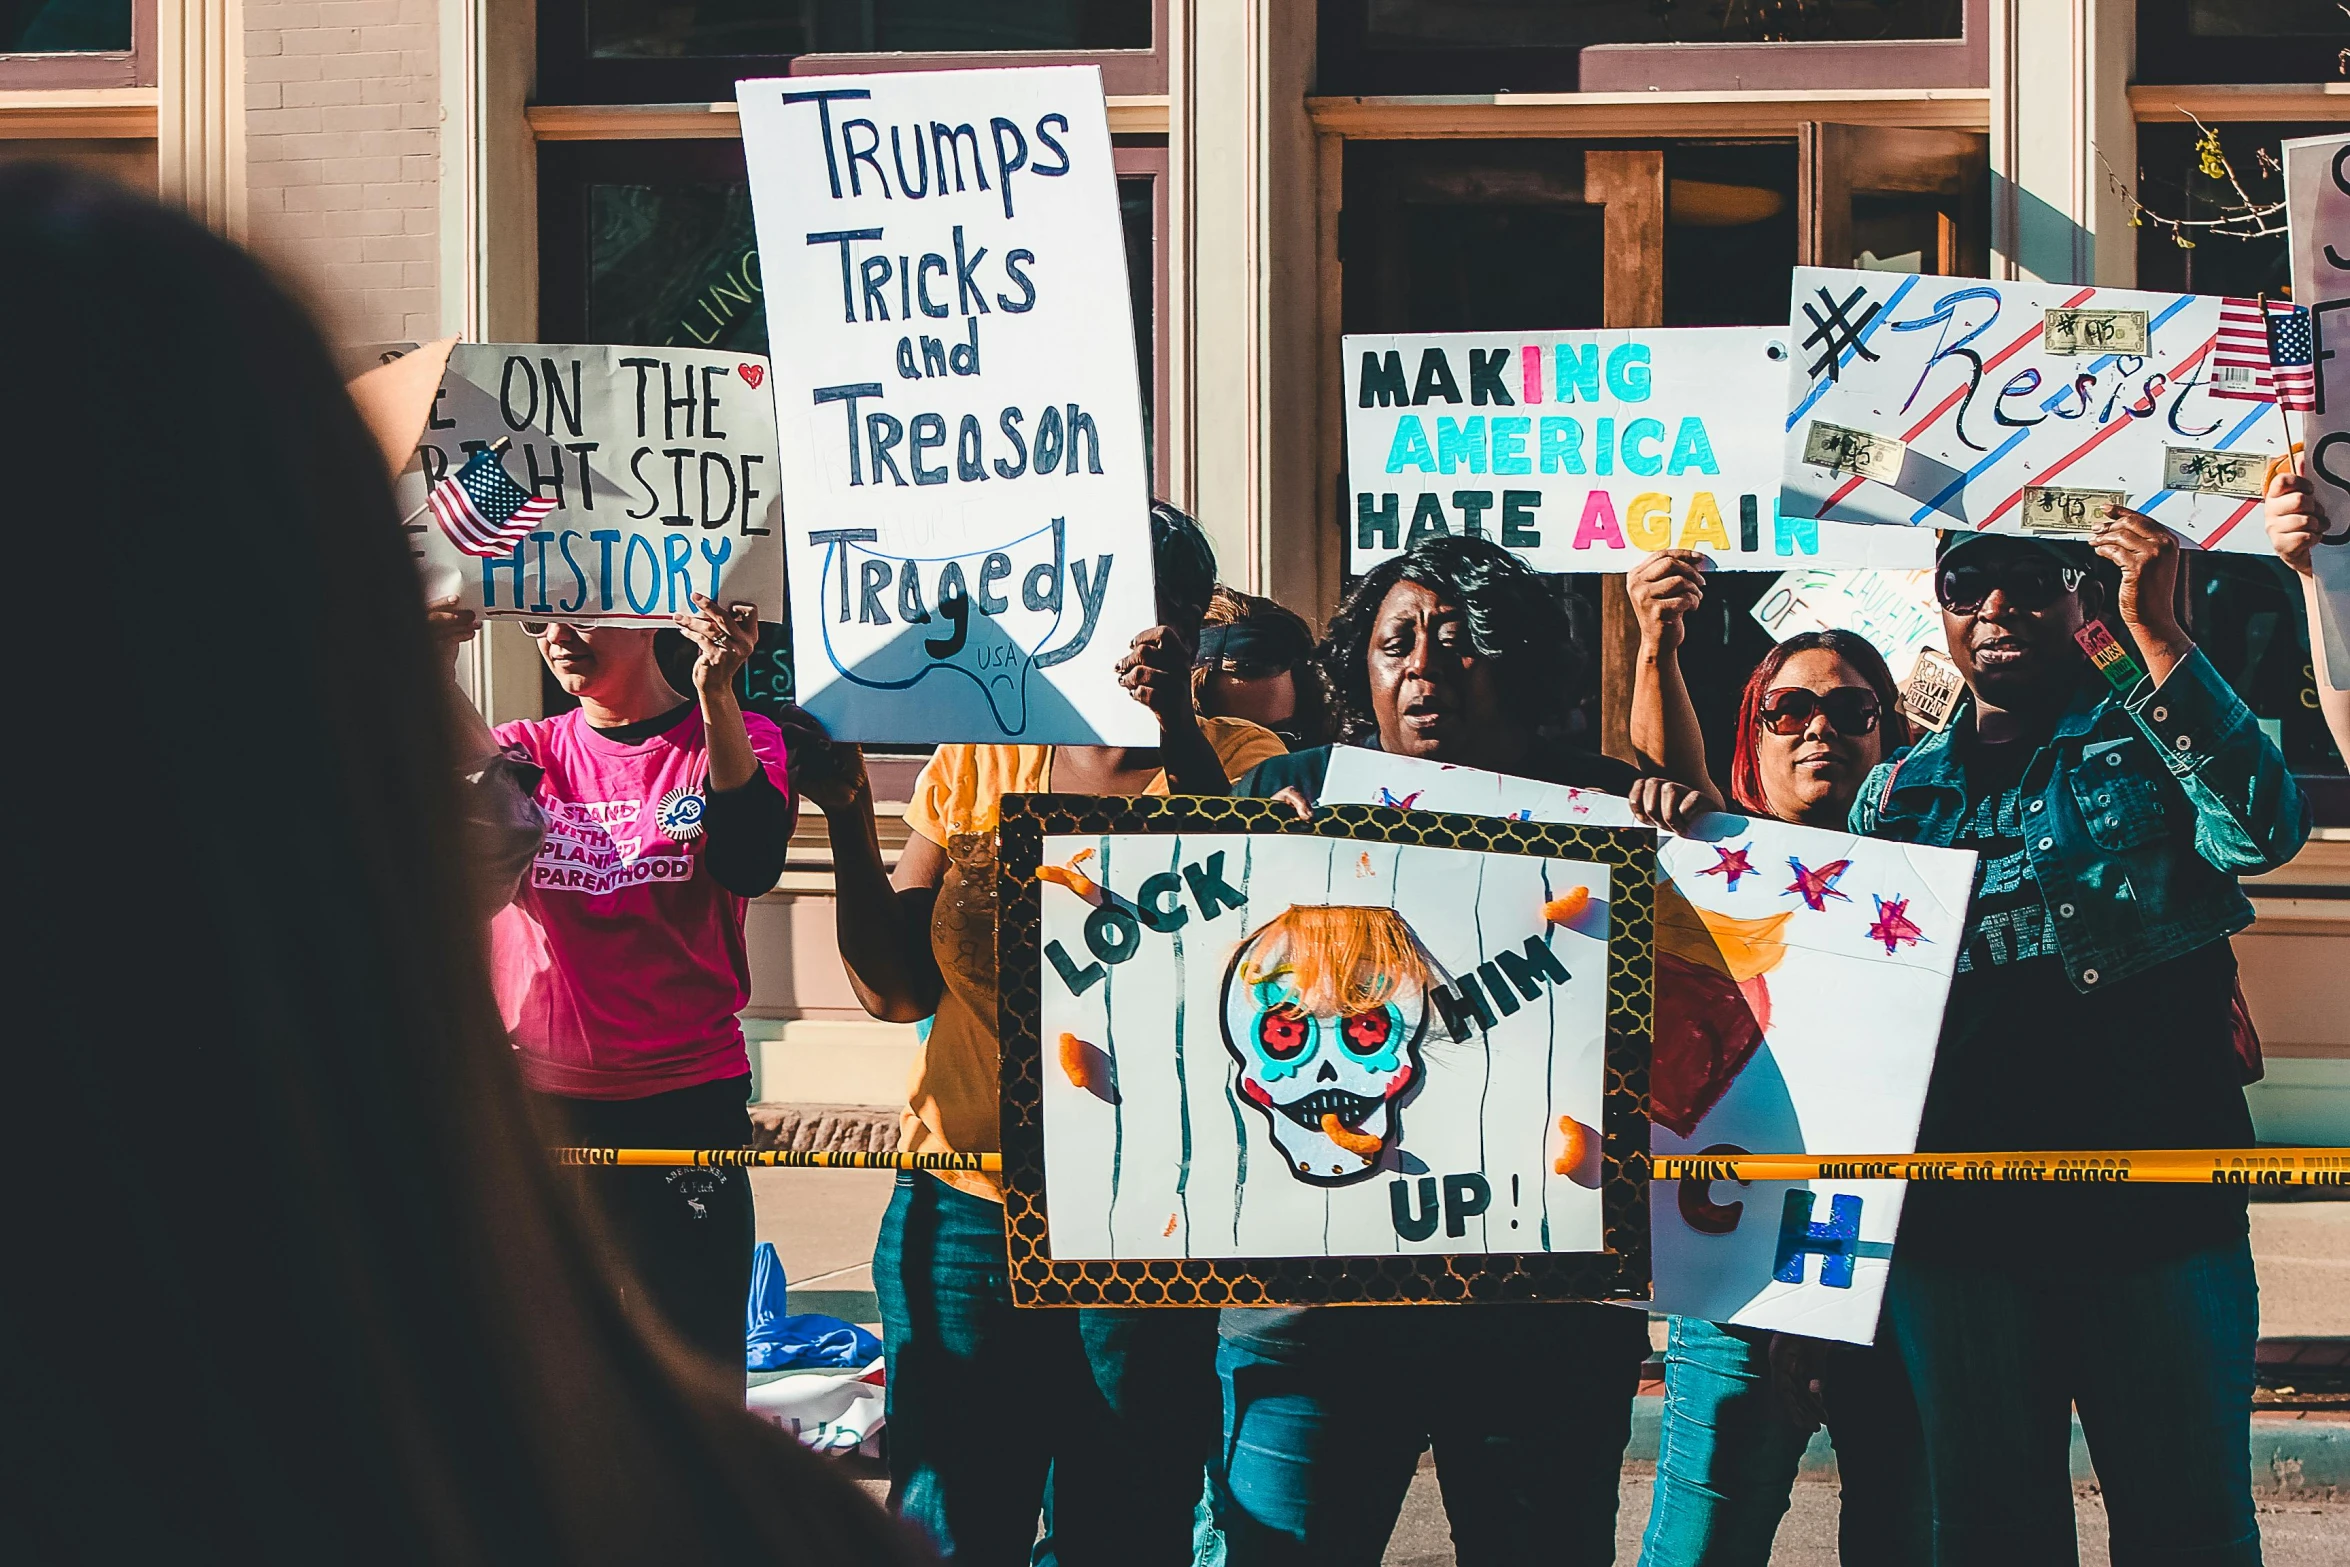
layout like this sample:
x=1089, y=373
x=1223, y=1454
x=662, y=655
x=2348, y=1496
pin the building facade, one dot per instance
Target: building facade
x=1290, y=170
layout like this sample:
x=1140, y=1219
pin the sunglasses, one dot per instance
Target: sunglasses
x=537, y=630
x=2027, y=585
x=1850, y=710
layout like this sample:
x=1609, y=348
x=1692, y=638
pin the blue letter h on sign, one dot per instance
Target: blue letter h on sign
x=1837, y=1241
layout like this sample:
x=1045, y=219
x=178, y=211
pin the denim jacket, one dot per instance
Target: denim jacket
x=2140, y=813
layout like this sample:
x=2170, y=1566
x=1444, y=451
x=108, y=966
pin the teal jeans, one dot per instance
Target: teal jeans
x=1727, y=1457
x=2157, y=1357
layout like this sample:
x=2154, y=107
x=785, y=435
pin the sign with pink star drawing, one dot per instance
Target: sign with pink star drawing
x=1800, y=981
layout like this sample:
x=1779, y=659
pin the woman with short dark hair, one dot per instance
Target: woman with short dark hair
x=349, y=1317
x=1458, y=652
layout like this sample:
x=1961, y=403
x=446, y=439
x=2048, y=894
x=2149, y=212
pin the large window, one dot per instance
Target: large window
x=686, y=51
x=77, y=43
x=1427, y=46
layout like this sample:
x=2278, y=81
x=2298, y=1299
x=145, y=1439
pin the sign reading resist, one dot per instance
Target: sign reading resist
x=633, y=478
x=958, y=412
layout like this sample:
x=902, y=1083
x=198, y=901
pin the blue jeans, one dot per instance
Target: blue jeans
x=1101, y=1421
x=1528, y=1409
x=1727, y=1456
x=2157, y=1357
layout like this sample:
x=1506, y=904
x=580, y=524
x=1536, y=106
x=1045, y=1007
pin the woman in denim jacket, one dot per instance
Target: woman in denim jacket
x=2092, y=1008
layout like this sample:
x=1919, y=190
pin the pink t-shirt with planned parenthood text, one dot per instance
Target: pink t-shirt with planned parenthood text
x=620, y=966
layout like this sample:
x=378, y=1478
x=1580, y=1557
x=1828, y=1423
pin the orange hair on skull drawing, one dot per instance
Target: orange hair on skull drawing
x=1340, y=961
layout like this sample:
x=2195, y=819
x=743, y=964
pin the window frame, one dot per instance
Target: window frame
x=568, y=74
x=1346, y=68
x=132, y=67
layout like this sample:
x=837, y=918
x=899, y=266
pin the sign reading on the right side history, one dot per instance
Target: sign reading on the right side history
x=1933, y=402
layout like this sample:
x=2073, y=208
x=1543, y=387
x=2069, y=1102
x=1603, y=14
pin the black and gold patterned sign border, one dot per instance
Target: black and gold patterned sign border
x=1619, y=1272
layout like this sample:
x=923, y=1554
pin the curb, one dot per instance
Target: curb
x=2291, y=1454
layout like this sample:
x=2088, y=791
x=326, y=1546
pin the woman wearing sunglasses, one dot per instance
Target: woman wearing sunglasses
x=620, y=967
x=2093, y=1006
x=1740, y=1405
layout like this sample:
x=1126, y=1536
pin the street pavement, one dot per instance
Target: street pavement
x=823, y=1223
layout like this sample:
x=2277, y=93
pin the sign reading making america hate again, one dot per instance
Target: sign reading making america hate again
x=1583, y=451
x=965, y=482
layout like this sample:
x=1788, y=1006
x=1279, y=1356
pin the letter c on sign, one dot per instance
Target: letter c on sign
x=1699, y=1210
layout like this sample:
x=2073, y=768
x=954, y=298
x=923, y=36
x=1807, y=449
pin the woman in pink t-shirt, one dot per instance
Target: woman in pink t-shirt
x=620, y=967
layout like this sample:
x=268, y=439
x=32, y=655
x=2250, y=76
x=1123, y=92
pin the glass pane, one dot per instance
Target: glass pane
x=65, y=26
x=1551, y=24
x=700, y=29
x=2266, y=19
x=674, y=266
x=2244, y=257
x=1729, y=234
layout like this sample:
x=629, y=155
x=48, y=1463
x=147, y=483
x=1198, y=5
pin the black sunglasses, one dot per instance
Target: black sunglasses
x=1850, y=709
x=2028, y=585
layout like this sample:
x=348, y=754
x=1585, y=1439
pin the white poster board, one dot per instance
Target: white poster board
x=1202, y=1101
x=960, y=420
x=661, y=460
x=1800, y=982
x=1964, y=403
x=1895, y=610
x=2317, y=199
x=1582, y=451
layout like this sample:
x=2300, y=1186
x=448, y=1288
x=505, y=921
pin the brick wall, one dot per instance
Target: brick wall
x=342, y=118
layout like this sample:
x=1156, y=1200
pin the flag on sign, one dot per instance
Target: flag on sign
x=2265, y=353
x=482, y=510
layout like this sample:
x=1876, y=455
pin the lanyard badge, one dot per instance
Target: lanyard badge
x=2113, y=661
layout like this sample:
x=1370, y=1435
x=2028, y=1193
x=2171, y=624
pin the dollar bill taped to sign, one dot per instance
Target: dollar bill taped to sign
x=1839, y=450
x=2242, y=474
x=2050, y=508
x=2093, y=332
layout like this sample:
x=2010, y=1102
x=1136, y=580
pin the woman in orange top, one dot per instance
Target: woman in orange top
x=1103, y=1419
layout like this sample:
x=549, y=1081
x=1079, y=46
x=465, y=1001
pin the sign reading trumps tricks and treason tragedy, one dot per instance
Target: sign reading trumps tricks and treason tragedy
x=1800, y=981
x=1935, y=402
x=1583, y=451
x=1381, y=1056
x=960, y=421
x=595, y=484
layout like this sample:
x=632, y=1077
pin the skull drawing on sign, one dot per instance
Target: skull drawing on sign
x=1324, y=1010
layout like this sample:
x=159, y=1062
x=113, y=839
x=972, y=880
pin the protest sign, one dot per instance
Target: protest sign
x=1581, y=451
x=1800, y=981
x=1965, y=397
x=960, y=419
x=1383, y=1056
x=1895, y=610
x=1359, y=776
x=2317, y=200
x=634, y=478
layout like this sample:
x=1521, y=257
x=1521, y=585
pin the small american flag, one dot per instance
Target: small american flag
x=2266, y=353
x=482, y=510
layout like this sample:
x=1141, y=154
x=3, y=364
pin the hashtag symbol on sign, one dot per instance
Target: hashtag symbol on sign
x=1838, y=330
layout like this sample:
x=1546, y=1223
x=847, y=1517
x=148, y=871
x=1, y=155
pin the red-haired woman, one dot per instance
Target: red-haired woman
x=1819, y=711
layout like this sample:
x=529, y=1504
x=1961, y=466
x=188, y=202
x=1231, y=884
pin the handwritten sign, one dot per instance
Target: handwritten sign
x=959, y=417
x=1895, y=610
x=1801, y=976
x=660, y=463
x=2317, y=198
x=1996, y=388
x=1581, y=451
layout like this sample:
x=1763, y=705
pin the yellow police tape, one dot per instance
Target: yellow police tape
x=2166, y=1166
